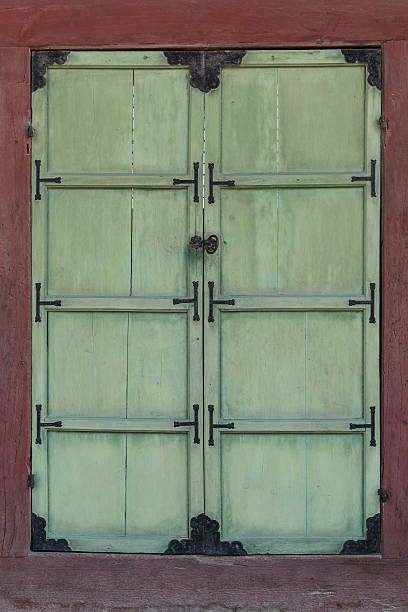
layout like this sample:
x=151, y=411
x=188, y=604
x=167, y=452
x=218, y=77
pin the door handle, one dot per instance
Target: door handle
x=216, y=425
x=196, y=408
x=212, y=183
x=210, y=244
x=193, y=300
x=193, y=181
x=212, y=301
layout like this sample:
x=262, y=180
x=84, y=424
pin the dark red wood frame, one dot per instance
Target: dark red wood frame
x=143, y=24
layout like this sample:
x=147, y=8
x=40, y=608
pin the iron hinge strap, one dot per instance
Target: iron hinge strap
x=193, y=181
x=193, y=300
x=38, y=408
x=213, y=425
x=39, y=302
x=370, y=425
x=370, y=178
x=30, y=481
x=39, y=180
x=212, y=302
x=212, y=183
x=371, y=301
x=384, y=497
x=196, y=408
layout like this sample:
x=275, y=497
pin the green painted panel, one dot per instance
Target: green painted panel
x=158, y=365
x=263, y=485
x=335, y=485
x=262, y=364
x=321, y=118
x=161, y=122
x=321, y=241
x=287, y=485
x=292, y=364
x=89, y=241
x=249, y=233
x=86, y=480
x=89, y=120
x=157, y=485
x=335, y=364
x=249, y=120
x=160, y=242
x=87, y=363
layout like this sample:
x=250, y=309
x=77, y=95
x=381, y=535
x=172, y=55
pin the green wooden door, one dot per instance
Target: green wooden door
x=118, y=362
x=290, y=363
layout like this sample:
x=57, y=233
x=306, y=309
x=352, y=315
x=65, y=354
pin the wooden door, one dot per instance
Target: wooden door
x=117, y=363
x=283, y=363
x=291, y=364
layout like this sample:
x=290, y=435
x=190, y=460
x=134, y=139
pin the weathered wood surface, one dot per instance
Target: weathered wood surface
x=57, y=582
x=260, y=23
x=395, y=302
x=15, y=299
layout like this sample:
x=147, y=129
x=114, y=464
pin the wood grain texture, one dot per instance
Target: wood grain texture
x=48, y=582
x=15, y=320
x=150, y=23
x=395, y=302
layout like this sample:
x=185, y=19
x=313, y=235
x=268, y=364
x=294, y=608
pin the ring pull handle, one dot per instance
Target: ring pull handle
x=210, y=244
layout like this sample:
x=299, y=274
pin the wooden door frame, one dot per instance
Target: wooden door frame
x=188, y=24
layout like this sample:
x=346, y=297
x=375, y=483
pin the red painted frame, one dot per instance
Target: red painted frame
x=142, y=24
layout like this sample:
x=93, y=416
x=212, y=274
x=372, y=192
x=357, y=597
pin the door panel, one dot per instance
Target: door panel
x=278, y=364
x=117, y=363
x=89, y=241
x=289, y=361
x=84, y=135
x=160, y=256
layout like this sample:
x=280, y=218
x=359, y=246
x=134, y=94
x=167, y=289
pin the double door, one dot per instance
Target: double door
x=209, y=263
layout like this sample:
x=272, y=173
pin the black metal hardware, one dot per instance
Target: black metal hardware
x=39, y=303
x=30, y=131
x=370, y=178
x=40, y=60
x=383, y=123
x=193, y=300
x=212, y=183
x=371, y=544
x=204, y=539
x=193, y=181
x=187, y=423
x=371, y=57
x=30, y=481
x=367, y=426
x=370, y=301
x=210, y=244
x=383, y=495
x=204, y=66
x=212, y=302
x=39, y=424
x=39, y=180
x=39, y=540
x=213, y=425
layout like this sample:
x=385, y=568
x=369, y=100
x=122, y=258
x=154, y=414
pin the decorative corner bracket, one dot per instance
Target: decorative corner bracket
x=204, y=539
x=39, y=63
x=39, y=541
x=204, y=66
x=371, y=57
x=370, y=545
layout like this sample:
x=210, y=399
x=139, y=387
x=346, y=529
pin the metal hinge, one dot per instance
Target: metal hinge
x=383, y=495
x=30, y=131
x=30, y=481
x=383, y=123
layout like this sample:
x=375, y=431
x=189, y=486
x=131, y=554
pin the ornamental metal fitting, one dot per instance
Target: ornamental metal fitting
x=40, y=60
x=371, y=57
x=204, y=66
